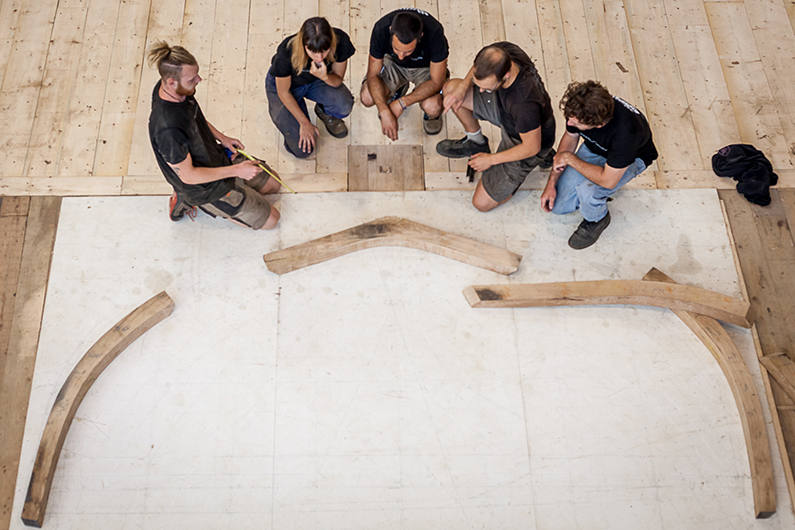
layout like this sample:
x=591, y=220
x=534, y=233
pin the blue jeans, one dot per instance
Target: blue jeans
x=577, y=192
x=336, y=102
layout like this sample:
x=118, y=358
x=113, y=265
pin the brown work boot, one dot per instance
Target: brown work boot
x=430, y=125
x=335, y=126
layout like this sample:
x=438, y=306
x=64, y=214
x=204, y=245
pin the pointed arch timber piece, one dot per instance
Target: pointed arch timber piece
x=393, y=232
x=614, y=292
x=721, y=346
x=87, y=370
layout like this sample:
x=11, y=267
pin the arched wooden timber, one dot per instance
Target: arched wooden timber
x=610, y=292
x=742, y=386
x=98, y=357
x=393, y=232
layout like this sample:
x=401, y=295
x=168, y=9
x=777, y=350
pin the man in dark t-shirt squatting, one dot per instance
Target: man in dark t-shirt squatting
x=504, y=88
x=191, y=152
x=406, y=46
x=617, y=147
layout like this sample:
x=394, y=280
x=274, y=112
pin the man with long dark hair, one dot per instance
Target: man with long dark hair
x=192, y=155
x=504, y=88
x=407, y=46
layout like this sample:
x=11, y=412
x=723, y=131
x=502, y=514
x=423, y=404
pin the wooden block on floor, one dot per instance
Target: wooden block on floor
x=385, y=168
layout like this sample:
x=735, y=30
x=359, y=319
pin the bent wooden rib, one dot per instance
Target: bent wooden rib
x=742, y=386
x=393, y=232
x=782, y=370
x=638, y=292
x=98, y=357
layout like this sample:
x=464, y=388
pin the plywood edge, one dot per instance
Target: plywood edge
x=741, y=383
x=618, y=292
x=393, y=231
x=87, y=370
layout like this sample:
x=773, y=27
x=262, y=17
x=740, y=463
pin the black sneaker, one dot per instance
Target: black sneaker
x=548, y=160
x=335, y=126
x=177, y=208
x=399, y=93
x=588, y=232
x=431, y=126
x=463, y=148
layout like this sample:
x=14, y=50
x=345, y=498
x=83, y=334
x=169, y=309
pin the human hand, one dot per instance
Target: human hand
x=389, y=124
x=233, y=144
x=455, y=99
x=319, y=70
x=561, y=161
x=548, y=197
x=248, y=169
x=481, y=161
x=306, y=137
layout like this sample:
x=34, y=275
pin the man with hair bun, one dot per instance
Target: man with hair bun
x=502, y=87
x=192, y=154
x=407, y=46
x=617, y=147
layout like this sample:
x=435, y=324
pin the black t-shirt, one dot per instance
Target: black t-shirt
x=177, y=129
x=282, y=66
x=431, y=48
x=624, y=138
x=525, y=105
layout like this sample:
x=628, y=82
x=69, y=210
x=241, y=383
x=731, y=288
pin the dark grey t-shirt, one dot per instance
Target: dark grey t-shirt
x=431, y=48
x=177, y=129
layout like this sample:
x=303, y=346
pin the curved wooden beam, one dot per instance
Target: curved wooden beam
x=393, y=232
x=98, y=357
x=610, y=292
x=742, y=386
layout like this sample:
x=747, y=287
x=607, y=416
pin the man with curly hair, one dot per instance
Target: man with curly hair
x=617, y=147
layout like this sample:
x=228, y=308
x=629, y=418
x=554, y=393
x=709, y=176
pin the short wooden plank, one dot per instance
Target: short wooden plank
x=757, y=116
x=23, y=340
x=81, y=127
x=663, y=89
x=98, y=357
x=259, y=134
x=783, y=371
x=60, y=186
x=613, y=54
x=611, y=292
x=385, y=168
x=775, y=41
x=59, y=79
x=24, y=71
x=394, y=232
x=741, y=383
x=365, y=126
x=709, y=103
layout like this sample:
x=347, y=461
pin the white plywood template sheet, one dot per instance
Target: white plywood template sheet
x=364, y=392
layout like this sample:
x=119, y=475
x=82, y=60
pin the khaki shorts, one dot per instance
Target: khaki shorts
x=395, y=77
x=243, y=203
x=503, y=180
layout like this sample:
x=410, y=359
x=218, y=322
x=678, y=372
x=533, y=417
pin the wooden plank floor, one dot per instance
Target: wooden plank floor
x=75, y=87
x=27, y=236
x=75, y=91
x=763, y=239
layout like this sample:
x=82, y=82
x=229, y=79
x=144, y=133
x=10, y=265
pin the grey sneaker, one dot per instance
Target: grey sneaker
x=431, y=126
x=335, y=126
x=588, y=232
x=463, y=148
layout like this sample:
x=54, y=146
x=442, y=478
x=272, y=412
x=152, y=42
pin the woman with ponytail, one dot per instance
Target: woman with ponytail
x=310, y=65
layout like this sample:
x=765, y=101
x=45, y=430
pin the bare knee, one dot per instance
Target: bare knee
x=365, y=97
x=450, y=84
x=273, y=219
x=271, y=186
x=481, y=200
x=433, y=106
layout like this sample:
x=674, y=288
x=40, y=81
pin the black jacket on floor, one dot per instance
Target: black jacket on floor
x=749, y=167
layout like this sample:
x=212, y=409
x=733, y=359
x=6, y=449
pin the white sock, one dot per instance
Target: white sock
x=477, y=137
